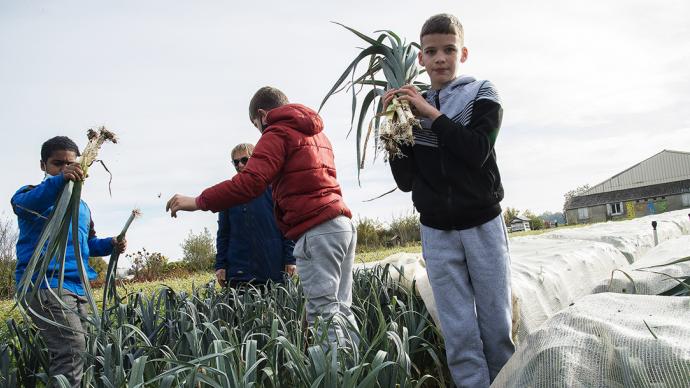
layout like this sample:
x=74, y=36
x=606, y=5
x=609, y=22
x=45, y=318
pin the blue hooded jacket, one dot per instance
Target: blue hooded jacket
x=28, y=201
x=249, y=245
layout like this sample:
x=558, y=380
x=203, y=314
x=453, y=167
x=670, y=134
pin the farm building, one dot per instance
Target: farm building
x=658, y=184
x=519, y=224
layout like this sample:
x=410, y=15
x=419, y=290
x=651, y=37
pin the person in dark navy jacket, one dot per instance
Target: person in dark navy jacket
x=250, y=247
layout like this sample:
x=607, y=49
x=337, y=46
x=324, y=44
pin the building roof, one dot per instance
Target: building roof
x=664, y=167
x=520, y=219
x=651, y=191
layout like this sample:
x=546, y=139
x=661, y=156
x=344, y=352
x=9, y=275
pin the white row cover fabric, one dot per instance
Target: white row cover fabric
x=553, y=271
x=654, y=280
x=633, y=237
x=607, y=340
x=406, y=268
x=549, y=275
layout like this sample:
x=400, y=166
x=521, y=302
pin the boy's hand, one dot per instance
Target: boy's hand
x=417, y=102
x=220, y=276
x=119, y=246
x=180, y=202
x=290, y=269
x=73, y=172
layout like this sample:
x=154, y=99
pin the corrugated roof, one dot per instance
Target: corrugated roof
x=651, y=191
x=666, y=166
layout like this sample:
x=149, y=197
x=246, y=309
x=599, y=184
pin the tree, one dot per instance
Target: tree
x=572, y=193
x=553, y=217
x=8, y=262
x=100, y=266
x=406, y=227
x=535, y=223
x=199, y=250
x=369, y=232
x=147, y=265
x=509, y=215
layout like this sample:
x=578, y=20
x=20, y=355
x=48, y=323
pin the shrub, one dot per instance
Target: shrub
x=8, y=262
x=369, y=232
x=7, y=284
x=372, y=234
x=406, y=227
x=100, y=266
x=176, y=269
x=147, y=265
x=199, y=251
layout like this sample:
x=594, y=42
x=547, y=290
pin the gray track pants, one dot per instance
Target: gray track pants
x=469, y=271
x=325, y=255
x=66, y=347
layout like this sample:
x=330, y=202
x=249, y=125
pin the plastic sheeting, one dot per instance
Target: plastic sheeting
x=633, y=237
x=598, y=340
x=408, y=268
x=649, y=275
x=549, y=275
x=607, y=340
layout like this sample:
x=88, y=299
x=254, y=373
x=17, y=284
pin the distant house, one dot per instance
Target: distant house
x=519, y=224
x=658, y=184
x=121, y=272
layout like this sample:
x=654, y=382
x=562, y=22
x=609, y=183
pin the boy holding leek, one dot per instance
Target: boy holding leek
x=33, y=205
x=456, y=187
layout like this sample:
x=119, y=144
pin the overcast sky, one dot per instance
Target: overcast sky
x=589, y=88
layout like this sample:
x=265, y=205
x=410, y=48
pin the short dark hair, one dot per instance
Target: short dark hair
x=58, y=143
x=443, y=23
x=266, y=98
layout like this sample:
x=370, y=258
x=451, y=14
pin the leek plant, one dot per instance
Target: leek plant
x=109, y=289
x=52, y=243
x=396, y=60
x=253, y=337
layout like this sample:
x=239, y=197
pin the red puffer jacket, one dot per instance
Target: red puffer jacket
x=296, y=157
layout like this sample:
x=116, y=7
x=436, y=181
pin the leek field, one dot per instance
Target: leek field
x=194, y=334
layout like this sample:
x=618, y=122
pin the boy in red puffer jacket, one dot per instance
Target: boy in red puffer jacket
x=295, y=157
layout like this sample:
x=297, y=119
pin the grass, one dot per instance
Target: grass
x=381, y=254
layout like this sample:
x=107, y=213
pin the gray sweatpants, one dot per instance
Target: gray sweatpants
x=325, y=255
x=66, y=347
x=469, y=271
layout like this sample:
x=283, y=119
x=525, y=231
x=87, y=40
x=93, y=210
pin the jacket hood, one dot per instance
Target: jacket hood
x=460, y=81
x=297, y=117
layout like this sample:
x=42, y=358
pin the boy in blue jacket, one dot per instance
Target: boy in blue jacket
x=250, y=247
x=33, y=205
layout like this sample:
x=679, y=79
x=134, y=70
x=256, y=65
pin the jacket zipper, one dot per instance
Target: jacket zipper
x=449, y=200
x=437, y=102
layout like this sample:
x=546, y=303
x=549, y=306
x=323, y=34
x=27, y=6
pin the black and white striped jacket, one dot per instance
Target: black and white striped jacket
x=451, y=169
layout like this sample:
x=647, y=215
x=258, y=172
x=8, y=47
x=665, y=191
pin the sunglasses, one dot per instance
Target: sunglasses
x=237, y=162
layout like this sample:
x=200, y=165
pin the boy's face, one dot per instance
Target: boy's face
x=440, y=55
x=58, y=161
x=240, y=160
